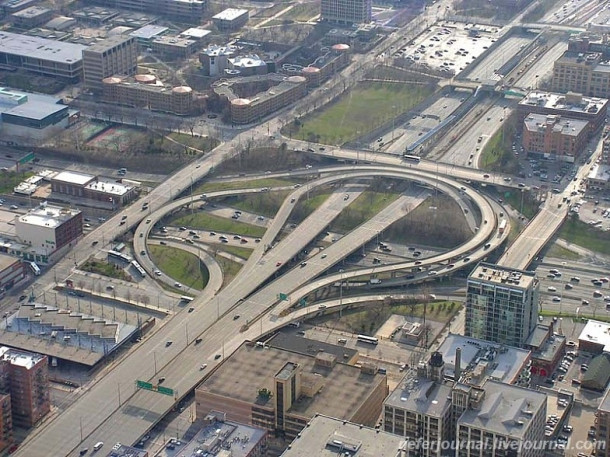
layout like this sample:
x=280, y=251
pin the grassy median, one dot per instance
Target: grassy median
x=205, y=221
x=180, y=265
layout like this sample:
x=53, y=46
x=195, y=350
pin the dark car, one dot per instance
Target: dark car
x=22, y=297
x=217, y=356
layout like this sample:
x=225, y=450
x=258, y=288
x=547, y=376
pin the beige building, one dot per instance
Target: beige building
x=286, y=90
x=117, y=55
x=346, y=11
x=145, y=91
x=281, y=391
x=585, y=73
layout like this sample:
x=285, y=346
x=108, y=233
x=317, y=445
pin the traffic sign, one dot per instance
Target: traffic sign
x=283, y=296
x=144, y=385
x=165, y=391
x=26, y=158
x=155, y=388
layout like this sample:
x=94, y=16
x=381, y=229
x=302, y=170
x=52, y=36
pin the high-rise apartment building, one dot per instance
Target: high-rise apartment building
x=25, y=376
x=6, y=422
x=117, y=55
x=346, y=11
x=501, y=304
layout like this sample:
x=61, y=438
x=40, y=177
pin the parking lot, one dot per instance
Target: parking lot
x=449, y=46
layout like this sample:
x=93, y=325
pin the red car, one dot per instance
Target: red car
x=278, y=264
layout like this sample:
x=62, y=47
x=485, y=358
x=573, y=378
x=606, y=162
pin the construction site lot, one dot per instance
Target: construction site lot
x=108, y=144
x=118, y=138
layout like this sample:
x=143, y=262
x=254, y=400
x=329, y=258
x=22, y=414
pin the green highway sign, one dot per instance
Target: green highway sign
x=165, y=391
x=282, y=296
x=302, y=302
x=153, y=388
x=144, y=385
x=26, y=158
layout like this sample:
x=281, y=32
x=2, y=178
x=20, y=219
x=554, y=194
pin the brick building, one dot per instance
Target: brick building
x=555, y=137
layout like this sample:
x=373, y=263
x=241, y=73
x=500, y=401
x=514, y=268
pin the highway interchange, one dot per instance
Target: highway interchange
x=112, y=410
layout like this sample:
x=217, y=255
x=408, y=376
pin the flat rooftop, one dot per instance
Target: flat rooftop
x=108, y=43
x=421, y=395
x=112, y=188
x=600, y=172
x=48, y=215
x=328, y=437
x=6, y=261
x=564, y=125
x=344, y=389
x=505, y=409
x=230, y=14
x=220, y=434
x=29, y=105
x=596, y=332
x=40, y=48
x=73, y=178
x=306, y=346
x=573, y=103
x=195, y=32
x=32, y=11
x=149, y=31
x=174, y=41
x=214, y=50
x=20, y=358
x=493, y=361
x=501, y=276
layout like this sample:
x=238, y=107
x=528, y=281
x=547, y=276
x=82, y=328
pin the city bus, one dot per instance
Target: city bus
x=502, y=226
x=139, y=268
x=411, y=158
x=368, y=339
x=118, y=256
x=35, y=269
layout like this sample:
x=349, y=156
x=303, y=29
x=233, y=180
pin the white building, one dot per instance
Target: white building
x=47, y=229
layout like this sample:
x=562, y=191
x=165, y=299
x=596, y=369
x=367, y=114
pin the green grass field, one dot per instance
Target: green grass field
x=232, y=185
x=229, y=269
x=264, y=203
x=243, y=253
x=305, y=207
x=204, y=221
x=181, y=266
x=104, y=268
x=363, y=109
x=560, y=252
x=575, y=231
x=367, y=205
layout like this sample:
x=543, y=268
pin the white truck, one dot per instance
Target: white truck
x=375, y=281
